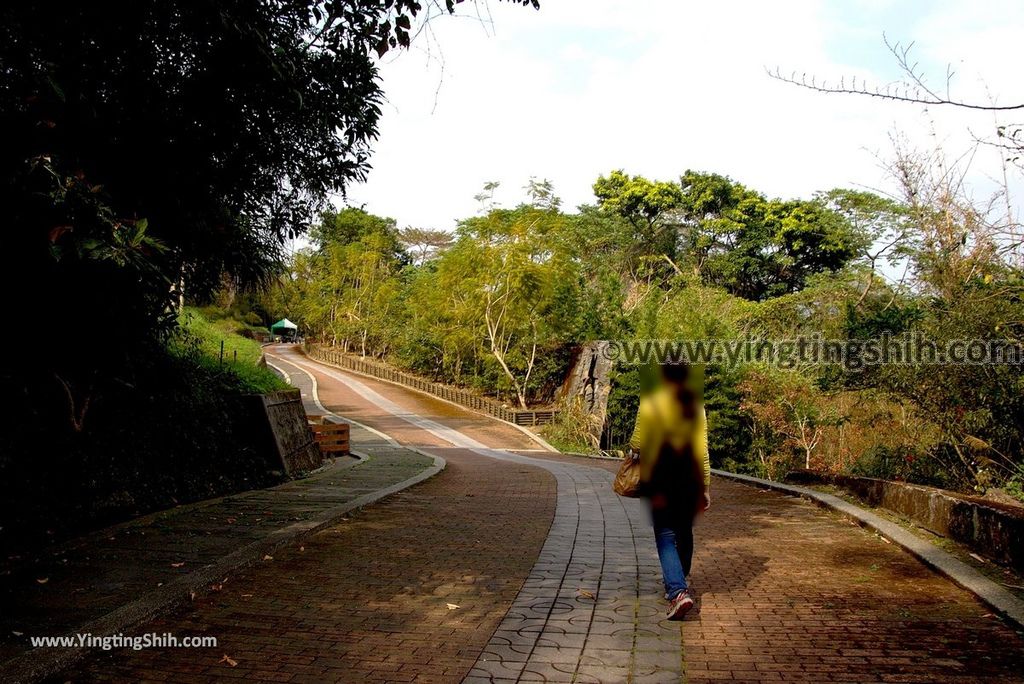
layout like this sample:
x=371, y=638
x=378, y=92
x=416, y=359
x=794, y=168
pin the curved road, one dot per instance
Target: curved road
x=518, y=565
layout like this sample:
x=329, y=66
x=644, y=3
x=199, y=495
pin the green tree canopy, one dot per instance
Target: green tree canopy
x=758, y=248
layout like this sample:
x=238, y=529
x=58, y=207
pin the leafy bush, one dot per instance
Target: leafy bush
x=888, y=463
x=569, y=431
x=175, y=427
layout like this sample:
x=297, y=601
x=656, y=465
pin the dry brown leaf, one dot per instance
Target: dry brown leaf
x=43, y=580
x=452, y=606
x=232, y=520
x=229, y=660
x=268, y=557
x=586, y=594
x=177, y=565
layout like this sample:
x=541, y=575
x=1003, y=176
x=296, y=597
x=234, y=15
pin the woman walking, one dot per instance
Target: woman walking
x=675, y=472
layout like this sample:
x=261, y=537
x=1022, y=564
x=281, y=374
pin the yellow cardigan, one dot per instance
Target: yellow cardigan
x=660, y=420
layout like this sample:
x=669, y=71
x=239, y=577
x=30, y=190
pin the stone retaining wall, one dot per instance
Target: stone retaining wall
x=285, y=420
x=993, y=530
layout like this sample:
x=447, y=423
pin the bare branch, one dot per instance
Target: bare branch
x=917, y=91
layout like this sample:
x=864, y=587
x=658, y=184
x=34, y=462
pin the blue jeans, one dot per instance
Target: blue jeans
x=675, y=551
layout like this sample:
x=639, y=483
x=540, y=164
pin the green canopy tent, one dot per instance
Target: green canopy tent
x=285, y=328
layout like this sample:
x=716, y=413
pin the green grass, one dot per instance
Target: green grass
x=240, y=354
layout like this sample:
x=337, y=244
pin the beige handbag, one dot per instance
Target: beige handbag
x=627, y=480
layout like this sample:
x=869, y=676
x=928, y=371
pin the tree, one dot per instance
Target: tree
x=510, y=283
x=425, y=242
x=915, y=89
x=349, y=286
x=648, y=207
x=880, y=220
x=788, y=406
x=486, y=196
x=542, y=194
x=151, y=148
x=758, y=248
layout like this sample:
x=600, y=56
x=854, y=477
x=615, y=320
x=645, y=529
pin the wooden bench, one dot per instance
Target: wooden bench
x=332, y=438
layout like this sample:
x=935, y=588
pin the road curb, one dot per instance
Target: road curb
x=40, y=662
x=995, y=596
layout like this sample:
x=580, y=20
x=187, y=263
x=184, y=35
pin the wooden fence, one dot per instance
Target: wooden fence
x=456, y=395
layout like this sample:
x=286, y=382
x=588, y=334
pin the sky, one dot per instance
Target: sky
x=656, y=87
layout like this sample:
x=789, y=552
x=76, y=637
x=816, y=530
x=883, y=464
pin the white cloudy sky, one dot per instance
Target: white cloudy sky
x=656, y=87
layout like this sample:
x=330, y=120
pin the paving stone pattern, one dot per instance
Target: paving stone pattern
x=102, y=572
x=592, y=608
x=556, y=579
x=366, y=600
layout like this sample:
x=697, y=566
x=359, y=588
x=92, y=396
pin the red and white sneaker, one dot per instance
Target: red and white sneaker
x=679, y=606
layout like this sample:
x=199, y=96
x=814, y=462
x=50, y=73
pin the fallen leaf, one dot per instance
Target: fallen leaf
x=232, y=520
x=586, y=594
x=177, y=565
x=977, y=558
x=989, y=615
x=229, y=660
x=216, y=587
x=268, y=557
x=452, y=606
x=159, y=584
x=43, y=580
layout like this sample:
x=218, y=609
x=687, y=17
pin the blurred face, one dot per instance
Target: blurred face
x=687, y=382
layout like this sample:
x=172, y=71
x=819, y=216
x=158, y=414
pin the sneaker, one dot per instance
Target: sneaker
x=679, y=606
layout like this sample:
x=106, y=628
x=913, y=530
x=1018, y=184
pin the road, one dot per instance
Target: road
x=517, y=565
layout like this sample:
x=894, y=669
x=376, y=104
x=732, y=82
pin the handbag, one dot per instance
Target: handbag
x=627, y=480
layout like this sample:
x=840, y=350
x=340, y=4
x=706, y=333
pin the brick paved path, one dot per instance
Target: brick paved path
x=788, y=592
x=82, y=585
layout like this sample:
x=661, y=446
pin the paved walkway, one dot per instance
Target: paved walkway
x=523, y=567
x=125, y=573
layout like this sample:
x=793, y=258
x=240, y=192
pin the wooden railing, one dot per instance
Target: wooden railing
x=456, y=395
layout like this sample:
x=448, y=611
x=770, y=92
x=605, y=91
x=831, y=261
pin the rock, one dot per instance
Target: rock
x=589, y=383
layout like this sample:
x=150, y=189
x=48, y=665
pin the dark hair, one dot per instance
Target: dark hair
x=675, y=373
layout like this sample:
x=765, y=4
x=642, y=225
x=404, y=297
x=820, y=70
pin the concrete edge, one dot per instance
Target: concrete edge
x=535, y=437
x=145, y=519
x=334, y=417
x=38, y=663
x=993, y=595
x=284, y=374
x=596, y=457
